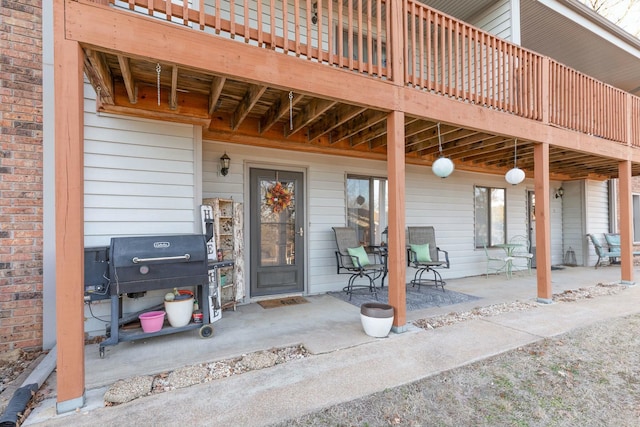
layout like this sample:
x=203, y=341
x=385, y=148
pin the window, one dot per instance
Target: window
x=490, y=211
x=367, y=207
x=636, y=217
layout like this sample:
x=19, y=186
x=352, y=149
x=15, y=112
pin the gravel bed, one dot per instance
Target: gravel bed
x=496, y=309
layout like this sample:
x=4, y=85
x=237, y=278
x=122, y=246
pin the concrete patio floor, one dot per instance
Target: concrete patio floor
x=324, y=325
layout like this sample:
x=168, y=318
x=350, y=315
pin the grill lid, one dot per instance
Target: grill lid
x=158, y=262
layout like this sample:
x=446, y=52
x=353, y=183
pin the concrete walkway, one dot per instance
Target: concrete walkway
x=345, y=365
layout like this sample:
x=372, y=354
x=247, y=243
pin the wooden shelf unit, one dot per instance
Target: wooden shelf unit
x=227, y=233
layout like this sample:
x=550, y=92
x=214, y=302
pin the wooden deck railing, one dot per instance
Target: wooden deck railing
x=441, y=54
x=634, y=125
x=350, y=34
x=584, y=104
x=447, y=56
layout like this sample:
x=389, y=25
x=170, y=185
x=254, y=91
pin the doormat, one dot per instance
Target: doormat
x=282, y=302
x=416, y=299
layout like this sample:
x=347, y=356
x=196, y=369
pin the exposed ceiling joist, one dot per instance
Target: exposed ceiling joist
x=127, y=78
x=253, y=94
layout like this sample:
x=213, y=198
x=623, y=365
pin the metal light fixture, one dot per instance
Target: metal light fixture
x=225, y=161
x=559, y=193
x=443, y=166
x=516, y=175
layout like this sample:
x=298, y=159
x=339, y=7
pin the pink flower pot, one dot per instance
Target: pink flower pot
x=151, y=321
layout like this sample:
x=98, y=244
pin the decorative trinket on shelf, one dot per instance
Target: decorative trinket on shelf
x=278, y=197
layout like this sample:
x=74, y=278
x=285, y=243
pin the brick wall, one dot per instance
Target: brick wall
x=20, y=174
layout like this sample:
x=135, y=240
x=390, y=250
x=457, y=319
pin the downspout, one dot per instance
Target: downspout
x=32, y=384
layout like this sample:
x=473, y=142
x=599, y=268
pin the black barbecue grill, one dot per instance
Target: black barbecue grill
x=140, y=264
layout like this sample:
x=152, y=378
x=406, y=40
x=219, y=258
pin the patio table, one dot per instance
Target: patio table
x=508, y=249
x=383, y=253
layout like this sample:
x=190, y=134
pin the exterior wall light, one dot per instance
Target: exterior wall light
x=559, y=193
x=225, y=161
x=516, y=175
x=443, y=166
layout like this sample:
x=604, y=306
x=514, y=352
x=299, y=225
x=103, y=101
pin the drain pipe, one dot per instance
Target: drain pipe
x=22, y=396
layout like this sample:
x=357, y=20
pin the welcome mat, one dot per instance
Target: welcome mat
x=282, y=302
x=416, y=299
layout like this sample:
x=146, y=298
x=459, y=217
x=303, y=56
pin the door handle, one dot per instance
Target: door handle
x=300, y=232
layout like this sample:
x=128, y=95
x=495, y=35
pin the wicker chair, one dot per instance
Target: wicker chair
x=357, y=267
x=425, y=259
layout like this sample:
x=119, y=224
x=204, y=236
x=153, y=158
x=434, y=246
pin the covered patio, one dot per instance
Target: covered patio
x=238, y=94
x=323, y=325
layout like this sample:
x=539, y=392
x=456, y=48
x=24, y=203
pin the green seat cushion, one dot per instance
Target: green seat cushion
x=422, y=252
x=360, y=254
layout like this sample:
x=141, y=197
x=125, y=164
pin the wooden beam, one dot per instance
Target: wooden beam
x=249, y=99
x=279, y=109
x=396, y=231
x=68, y=75
x=100, y=76
x=543, y=222
x=311, y=112
x=367, y=119
x=127, y=77
x=173, y=96
x=374, y=135
x=191, y=107
x=336, y=118
x=626, y=222
x=217, y=84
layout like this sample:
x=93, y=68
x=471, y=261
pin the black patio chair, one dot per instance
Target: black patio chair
x=424, y=255
x=353, y=259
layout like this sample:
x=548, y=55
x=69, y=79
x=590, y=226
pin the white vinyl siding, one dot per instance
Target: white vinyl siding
x=139, y=176
x=496, y=19
x=597, y=209
x=573, y=219
x=448, y=205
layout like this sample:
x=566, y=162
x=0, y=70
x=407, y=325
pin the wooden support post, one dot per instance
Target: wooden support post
x=397, y=246
x=626, y=222
x=543, y=222
x=69, y=193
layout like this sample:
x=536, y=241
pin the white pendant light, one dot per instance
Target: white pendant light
x=516, y=175
x=443, y=166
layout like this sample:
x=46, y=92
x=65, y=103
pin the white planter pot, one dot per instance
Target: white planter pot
x=376, y=318
x=179, y=312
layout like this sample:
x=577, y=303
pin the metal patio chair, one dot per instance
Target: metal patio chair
x=497, y=264
x=352, y=259
x=521, y=252
x=424, y=255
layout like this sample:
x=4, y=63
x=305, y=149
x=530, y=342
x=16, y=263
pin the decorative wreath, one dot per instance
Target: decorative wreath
x=278, y=197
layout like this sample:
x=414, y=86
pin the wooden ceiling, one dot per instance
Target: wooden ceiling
x=244, y=112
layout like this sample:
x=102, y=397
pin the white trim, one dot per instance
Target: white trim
x=48, y=183
x=197, y=178
x=516, y=31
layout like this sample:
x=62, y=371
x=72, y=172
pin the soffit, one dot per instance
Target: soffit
x=550, y=33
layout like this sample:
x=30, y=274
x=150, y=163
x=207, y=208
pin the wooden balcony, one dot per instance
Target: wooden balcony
x=438, y=55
